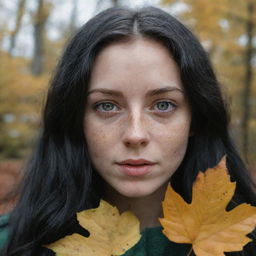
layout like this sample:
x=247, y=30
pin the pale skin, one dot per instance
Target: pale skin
x=136, y=109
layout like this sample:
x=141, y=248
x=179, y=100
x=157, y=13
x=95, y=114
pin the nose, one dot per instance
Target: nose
x=135, y=134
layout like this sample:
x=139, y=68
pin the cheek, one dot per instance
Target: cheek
x=98, y=138
x=174, y=140
x=95, y=140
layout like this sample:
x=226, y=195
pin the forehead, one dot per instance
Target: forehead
x=141, y=63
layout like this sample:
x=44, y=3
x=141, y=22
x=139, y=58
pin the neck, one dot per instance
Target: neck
x=148, y=209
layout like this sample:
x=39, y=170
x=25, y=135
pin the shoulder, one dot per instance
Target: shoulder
x=4, y=228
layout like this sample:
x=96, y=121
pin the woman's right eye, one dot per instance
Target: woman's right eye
x=106, y=107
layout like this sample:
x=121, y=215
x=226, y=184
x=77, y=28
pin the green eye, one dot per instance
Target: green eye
x=106, y=107
x=165, y=106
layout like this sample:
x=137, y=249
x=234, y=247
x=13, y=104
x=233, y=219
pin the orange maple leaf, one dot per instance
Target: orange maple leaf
x=205, y=223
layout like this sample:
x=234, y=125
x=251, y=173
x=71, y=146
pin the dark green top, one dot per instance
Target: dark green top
x=154, y=243
x=3, y=229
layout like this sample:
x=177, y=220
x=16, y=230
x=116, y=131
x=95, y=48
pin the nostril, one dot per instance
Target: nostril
x=130, y=142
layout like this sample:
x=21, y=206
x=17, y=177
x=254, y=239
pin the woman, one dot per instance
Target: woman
x=134, y=87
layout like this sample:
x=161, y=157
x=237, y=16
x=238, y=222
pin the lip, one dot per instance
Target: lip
x=140, y=161
x=136, y=167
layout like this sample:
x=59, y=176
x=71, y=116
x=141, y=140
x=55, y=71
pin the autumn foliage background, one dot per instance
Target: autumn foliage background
x=226, y=28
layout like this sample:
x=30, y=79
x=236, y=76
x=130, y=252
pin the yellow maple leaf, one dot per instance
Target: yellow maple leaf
x=205, y=223
x=110, y=233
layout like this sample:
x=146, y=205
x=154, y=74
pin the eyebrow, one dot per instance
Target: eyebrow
x=149, y=93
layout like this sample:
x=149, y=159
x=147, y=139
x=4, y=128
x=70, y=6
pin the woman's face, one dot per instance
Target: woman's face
x=137, y=119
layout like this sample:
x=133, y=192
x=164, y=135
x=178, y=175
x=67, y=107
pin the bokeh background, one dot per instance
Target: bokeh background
x=34, y=32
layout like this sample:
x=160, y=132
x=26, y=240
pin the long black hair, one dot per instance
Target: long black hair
x=59, y=179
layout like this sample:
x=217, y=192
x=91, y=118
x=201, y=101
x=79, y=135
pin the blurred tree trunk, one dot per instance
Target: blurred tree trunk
x=14, y=33
x=41, y=16
x=73, y=18
x=250, y=26
x=99, y=3
x=115, y=2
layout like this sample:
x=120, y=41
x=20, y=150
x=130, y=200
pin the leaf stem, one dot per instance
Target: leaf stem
x=191, y=250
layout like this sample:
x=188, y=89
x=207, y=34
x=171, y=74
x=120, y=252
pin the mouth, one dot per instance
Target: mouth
x=138, y=167
x=136, y=162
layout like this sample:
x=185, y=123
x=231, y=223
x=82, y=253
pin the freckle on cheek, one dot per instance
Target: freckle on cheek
x=98, y=135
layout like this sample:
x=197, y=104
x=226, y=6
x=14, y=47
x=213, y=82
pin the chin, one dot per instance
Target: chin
x=135, y=193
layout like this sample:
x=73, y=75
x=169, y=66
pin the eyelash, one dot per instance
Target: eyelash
x=110, y=112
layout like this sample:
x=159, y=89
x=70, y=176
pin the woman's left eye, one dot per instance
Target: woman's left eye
x=164, y=106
